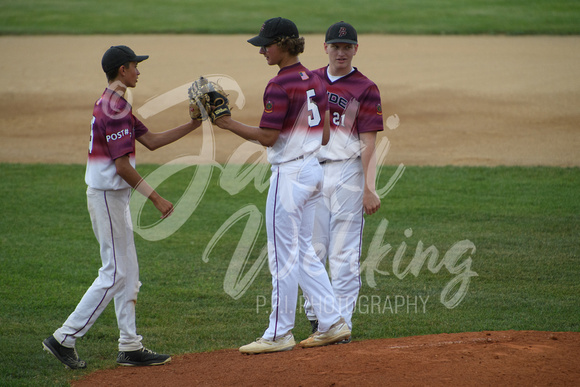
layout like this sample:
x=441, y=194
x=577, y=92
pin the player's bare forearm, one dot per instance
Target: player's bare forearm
x=266, y=137
x=371, y=201
x=134, y=179
x=326, y=131
x=154, y=141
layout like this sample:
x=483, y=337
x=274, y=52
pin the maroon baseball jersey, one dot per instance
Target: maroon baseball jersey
x=344, y=141
x=294, y=103
x=114, y=129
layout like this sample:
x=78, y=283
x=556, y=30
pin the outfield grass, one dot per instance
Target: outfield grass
x=557, y=17
x=523, y=222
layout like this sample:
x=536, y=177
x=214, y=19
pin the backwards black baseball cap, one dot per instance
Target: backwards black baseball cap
x=116, y=56
x=341, y=32
x=273, y=29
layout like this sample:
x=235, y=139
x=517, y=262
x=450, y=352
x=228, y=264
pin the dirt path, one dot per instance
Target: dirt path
x=459, y=100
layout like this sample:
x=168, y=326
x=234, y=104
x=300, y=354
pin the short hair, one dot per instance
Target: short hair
x=112, y=74
x=294, y=46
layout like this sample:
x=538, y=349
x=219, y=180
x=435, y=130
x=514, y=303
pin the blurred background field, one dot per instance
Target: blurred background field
x=560, y=17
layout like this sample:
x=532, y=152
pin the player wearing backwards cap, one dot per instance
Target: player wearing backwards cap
x=292, y=128
x=110, y=175
x=349, y=165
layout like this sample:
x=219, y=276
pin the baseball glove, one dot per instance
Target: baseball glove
x=207, y=99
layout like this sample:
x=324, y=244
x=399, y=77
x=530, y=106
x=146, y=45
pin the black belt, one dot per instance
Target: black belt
x=337, y=161
x=331, y=161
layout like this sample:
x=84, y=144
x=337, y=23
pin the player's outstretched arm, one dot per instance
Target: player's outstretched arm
x=154, y=141
x=264, y=136
x=371, y=201
x=131, y=176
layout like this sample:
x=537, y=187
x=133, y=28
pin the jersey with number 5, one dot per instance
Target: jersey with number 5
x=344, y=140
x=294, y=103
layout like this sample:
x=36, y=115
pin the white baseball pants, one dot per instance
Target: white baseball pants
x=118, y=277
x=292, y=197
x=338, y=232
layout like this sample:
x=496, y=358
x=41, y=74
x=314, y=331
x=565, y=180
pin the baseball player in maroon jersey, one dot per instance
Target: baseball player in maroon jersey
x=110, y=175
x=349, y=165
x=292, y=128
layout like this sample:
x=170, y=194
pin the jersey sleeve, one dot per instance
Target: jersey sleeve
x=276, y=104
x=140, y=128
x=370, y=117
x=118, y=135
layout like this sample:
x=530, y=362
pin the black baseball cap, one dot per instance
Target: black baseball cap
x=273, y=29
x=341, y=32
x=116, y=56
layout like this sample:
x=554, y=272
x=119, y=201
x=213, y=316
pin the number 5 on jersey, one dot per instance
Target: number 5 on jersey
x=314, y=117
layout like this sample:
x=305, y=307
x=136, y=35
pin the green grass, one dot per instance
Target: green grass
x=558, y=17
x=523, y=222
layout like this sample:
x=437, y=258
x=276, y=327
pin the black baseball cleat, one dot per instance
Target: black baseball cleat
x=314, y=325
x=142, y=357
x=345, y=341
x=67, y=356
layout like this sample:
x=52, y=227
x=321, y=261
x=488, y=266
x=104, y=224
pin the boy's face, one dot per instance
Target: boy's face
x=129, y=74
x=273, y=54
x=340, y=55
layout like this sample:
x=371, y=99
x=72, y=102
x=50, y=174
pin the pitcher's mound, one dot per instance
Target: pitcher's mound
x=481, y=358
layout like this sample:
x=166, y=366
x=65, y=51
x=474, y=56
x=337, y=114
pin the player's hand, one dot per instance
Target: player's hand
x=164, y=206
x=223, y=122
x=371, y=202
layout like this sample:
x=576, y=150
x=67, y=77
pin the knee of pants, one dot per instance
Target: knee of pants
x=133, y=292
x=128, y=292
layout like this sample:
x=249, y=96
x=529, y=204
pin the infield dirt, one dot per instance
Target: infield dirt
x=459, y=100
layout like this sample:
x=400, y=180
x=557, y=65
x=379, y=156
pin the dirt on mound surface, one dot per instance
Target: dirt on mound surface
x=509, y=358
